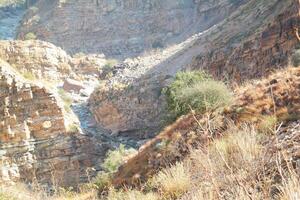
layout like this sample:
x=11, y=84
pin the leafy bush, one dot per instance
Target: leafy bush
x=108, y=68
x=197, y=91
x=205, y=96
x=102, y=181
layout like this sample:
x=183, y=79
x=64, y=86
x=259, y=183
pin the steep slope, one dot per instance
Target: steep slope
x=122, y=28
x=276, y=96
x=253, y=40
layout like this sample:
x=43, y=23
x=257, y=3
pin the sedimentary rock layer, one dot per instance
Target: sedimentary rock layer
x=34, y=144
x=122, y=28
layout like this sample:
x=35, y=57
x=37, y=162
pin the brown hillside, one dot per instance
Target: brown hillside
x=277, y=95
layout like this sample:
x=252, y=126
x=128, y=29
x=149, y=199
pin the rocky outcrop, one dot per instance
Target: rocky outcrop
x=34, y=144
x=255, y=39
x=39, y=60
x=122, y=28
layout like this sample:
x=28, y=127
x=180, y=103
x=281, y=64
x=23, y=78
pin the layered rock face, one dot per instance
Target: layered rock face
x=122, y=28
x=252, y=53
x=44, y=61
x=34, y=144
x=257, y=37
x=28, y=111
x=41, y=59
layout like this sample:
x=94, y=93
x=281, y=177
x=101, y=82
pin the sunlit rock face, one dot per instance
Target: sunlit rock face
x=34, y=144
x=122, y=28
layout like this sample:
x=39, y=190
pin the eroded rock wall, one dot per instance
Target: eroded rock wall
x=34, y=144
x=122, y=28
x=254, y=53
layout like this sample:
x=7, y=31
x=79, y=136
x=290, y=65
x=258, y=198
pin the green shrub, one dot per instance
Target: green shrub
x=29, y=75
x=182, y=81
x=116, y=158
x=296, y=58
x=30, y=36
x=205, y=96
x=102, y=181
x=267, y=124
x=195, y=90
x=66, y=98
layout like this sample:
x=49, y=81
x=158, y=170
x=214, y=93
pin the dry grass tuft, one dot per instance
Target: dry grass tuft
x=174, y=181
x=290, y=188
x=130, y=195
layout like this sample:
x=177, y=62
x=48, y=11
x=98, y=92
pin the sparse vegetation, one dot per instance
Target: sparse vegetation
x=231, y=167
x=131, y=195
x=66, y=98
x=29, y=75
x=174, y=181
x=30, y=36
x=108, y=67
x=267, y=124
x=115, y=158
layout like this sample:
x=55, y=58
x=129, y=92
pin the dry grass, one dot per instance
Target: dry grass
x=231, y=167
x=228, y=167
x=130, y=195
x=174, y=181
x=290, y=188
x=22, y=192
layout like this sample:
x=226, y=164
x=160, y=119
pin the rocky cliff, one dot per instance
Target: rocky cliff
x=232, y=52
x=44, y=61
x=34, y=144
x=255, y=39
x=122, y=28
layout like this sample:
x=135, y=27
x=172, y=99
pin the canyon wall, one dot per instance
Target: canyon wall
x=254, y=40
x=254, y=53
x=34, y=144
x=122, y=28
